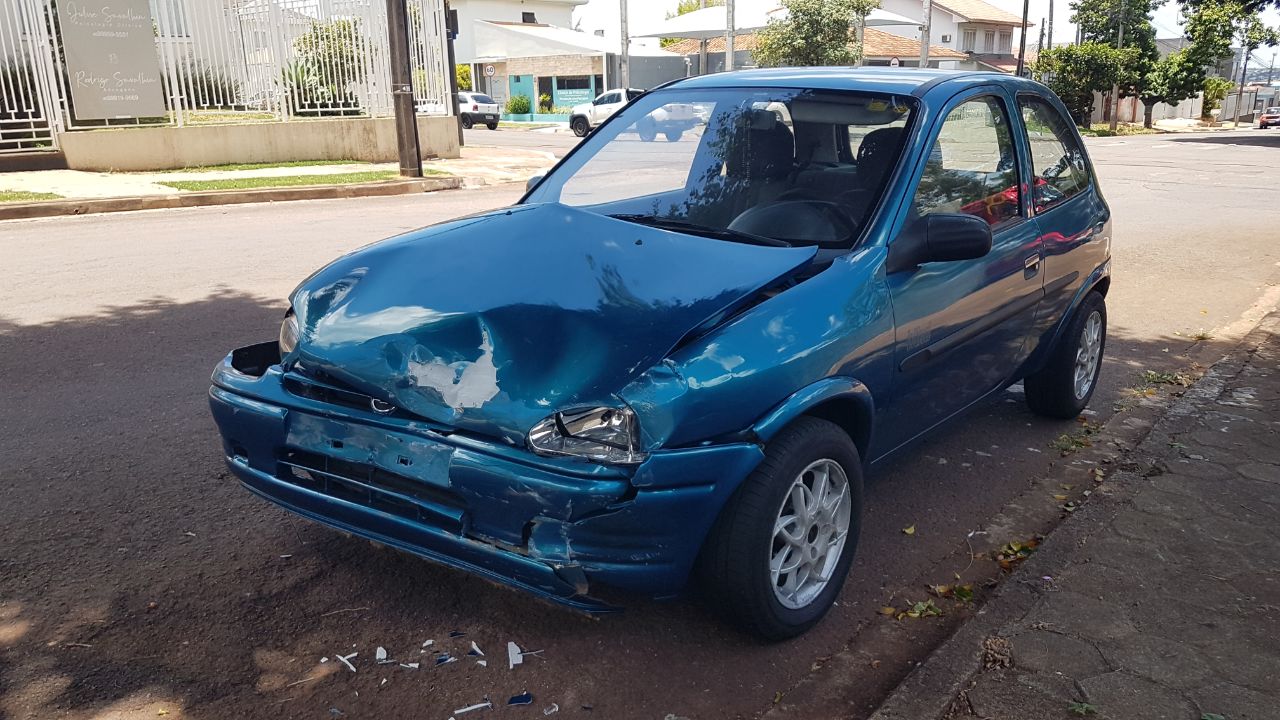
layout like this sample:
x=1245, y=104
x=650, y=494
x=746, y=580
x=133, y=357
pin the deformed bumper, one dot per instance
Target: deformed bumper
x=549, y=526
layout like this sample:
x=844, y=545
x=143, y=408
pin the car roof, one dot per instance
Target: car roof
x=897, y=81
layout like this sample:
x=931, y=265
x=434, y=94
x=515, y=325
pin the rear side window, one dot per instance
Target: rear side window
x=482, y=99
x=972, y=167
x=1058, y=167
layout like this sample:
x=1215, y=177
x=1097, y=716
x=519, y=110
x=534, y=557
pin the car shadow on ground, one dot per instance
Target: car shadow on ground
x=139, y=578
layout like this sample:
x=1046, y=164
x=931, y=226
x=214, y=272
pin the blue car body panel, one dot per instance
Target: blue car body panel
x=474, y=330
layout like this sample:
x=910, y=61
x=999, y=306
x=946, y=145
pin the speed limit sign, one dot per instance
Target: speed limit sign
x=490, y=71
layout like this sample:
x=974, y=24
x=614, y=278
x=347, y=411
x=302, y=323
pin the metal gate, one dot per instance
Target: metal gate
x=29, y=114
x=229, y=61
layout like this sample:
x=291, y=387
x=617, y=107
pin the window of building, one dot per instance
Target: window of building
x=1006, y=43
x=1058, y=167
x=971, y=168
x=578, y=82
x=528, y=18
x=969, y=40
x=989, y=41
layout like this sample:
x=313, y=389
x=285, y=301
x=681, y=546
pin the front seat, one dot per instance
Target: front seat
x=875, y=156
x=759, y=171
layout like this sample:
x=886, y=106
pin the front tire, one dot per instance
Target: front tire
x=1063, y=388
x=780, y=551
x=580, y=126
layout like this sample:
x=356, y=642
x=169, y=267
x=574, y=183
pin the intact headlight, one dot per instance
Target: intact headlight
x=288, y=334
x=606, y=435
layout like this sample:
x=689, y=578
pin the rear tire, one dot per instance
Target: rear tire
x=580, y=126
x=492, y=126
x=744, y=560
x=1063, y=388
x=648, y=130
x=674, y=135
x=467, y=124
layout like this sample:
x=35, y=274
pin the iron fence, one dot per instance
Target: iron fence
x=229, y=61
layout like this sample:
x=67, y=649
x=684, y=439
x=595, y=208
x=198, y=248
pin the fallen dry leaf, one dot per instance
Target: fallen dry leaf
x=911, y=530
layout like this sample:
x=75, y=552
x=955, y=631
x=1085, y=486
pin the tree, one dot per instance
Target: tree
x=1170, y=80
x=1215, y=91
x=463, y=73
x=815, y=32
x=684, y=8
x=336, y=47
x=1075, y=72
x=1101, y=21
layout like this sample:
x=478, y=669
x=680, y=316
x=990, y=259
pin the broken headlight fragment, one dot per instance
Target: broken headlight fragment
x=288, y=333
x=605, y=435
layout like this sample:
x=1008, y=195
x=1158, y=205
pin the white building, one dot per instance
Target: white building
x=988, y=34
x=533, y=12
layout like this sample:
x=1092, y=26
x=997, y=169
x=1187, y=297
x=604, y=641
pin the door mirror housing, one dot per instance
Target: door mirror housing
x=533, y=183
x=944, y=237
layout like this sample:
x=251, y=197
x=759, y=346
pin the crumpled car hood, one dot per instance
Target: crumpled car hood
x=491, y=323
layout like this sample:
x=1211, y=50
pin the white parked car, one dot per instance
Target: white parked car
x=586, y=116
x=478, y=109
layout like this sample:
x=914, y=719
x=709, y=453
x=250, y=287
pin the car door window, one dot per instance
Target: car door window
x=972, y=167
x=1057, y=160
x=607, y=99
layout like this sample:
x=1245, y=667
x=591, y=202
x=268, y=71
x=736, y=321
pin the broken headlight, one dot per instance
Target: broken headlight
x=606, y=435
x=288, y=333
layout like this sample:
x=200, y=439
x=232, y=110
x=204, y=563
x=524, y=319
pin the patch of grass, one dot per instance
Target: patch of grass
x=24, y=196
x=249, y=183
x=1082, y=708
x=1152, y=377
x=265, y=165
x=1123, y=129
x=524, y=126
x=1068, y=443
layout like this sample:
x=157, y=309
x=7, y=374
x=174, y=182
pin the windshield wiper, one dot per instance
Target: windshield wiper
x=704, y=230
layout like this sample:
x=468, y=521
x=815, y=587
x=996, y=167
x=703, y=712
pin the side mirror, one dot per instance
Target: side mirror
x=940, y=238
x=533, y=183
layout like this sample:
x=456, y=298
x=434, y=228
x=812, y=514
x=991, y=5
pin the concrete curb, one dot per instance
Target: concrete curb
x=57, y=208
x=930, y=690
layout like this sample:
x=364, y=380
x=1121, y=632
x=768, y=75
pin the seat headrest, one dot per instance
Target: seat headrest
x=765, y=153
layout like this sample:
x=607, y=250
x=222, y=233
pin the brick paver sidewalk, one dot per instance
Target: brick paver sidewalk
x=1159, y=601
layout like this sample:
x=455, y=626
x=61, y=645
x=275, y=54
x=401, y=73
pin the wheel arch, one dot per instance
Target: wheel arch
x=844, y=401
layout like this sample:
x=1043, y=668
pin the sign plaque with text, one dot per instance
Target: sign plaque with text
x=112, y=65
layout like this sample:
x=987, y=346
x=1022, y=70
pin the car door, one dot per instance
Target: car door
x=603, y=107
x=1069, y=211
x=962, y=326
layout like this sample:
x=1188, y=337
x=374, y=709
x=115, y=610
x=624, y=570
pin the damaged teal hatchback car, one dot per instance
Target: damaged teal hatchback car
x=678, y=354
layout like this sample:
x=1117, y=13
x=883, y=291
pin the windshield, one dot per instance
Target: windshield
x=1273, y=111
x=800, y=166
x=485, y=99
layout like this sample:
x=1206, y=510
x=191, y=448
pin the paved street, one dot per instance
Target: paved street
x=557, y=143
x=138, y=577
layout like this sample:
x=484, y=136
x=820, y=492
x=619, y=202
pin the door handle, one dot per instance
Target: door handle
x=1032, y=263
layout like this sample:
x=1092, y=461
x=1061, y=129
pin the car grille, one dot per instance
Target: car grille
x=374, y=488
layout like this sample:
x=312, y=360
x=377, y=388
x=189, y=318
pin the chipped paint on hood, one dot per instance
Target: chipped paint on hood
x=492, y=322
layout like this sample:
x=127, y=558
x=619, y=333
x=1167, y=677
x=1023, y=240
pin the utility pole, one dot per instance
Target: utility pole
x=1115, y=87
x=1272, y=68
x=729, y=33
x=1022, y=38
x=451, y=33
x=402, y=89
x=859, y=26
x=625, y=75
x=1244, y=68
x=1040, y=43
x=702, y=45
x=1049, y=33
x=926, y=9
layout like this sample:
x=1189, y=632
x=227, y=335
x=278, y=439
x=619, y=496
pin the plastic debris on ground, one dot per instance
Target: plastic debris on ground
x=456, y=634
x=346, y=660
x=524, y=698
x=411, y=666
x=482, y=663
x=486, y=705
x=381, y=656
x=335, y=712
x=445, y=659
x=551, y=709
x=475, y=649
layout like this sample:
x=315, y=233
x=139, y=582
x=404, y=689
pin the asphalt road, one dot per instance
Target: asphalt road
x=557, y=143
x=136, y=577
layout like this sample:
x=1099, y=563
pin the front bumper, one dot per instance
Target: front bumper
x=550, y=526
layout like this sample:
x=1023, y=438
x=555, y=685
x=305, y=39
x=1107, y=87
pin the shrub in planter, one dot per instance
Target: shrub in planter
x=544, y=103
x=519, y=105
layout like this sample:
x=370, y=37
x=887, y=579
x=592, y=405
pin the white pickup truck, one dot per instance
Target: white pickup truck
x=670, y=120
